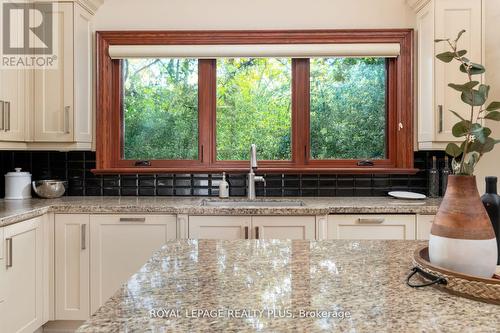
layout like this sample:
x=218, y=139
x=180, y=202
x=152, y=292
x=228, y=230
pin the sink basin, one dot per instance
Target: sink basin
x=251, y=203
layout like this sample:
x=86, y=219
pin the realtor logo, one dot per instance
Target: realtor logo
x=28, y=35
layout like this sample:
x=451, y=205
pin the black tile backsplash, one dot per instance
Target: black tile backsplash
x=75, y=167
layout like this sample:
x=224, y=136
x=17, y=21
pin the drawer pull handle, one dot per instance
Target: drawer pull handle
x=83, y=237
x=8, y=255
x=257, y=232
x=246, y=232
x=133, y=219
x=370, y=220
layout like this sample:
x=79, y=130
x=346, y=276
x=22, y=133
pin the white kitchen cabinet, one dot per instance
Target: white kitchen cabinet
x=256, y=227
x=72, y=267
x=219, y=227
x=424, y=225
x=284, y=227
x=14, y=93
x=3, y=286
x=444, y=19
x=119, y=246
x=23, y=277
x=371, y=227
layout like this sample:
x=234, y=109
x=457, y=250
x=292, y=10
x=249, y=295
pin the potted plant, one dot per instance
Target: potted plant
x=462, y=237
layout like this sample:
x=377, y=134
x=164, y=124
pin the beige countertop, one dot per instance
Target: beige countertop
x=12, y=211
x=285, y=286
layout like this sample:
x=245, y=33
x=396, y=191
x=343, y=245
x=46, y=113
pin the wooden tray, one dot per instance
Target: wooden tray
x=480, y=289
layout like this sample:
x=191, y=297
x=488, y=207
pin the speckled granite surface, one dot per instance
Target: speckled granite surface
x=185, y=280
x=12, y=211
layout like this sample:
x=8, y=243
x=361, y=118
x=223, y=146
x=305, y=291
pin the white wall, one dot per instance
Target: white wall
x=490, y=165
x=253, y=14
x=295, y=14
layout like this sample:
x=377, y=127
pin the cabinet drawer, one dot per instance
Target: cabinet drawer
x=284, y=227
x=1, y=244
x=135, y=219
x=219, y=227
x=371, y=227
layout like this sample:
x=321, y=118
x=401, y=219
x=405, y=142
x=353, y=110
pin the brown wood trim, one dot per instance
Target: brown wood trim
x=400, y=147
x=263, y=170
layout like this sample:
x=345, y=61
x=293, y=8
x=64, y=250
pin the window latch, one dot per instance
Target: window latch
x=142, y=163
x=365, y=163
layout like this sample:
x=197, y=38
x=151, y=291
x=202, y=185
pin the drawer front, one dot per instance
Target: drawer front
x=284, y=227
x=134, y=219
x=371, y=227
x=1, y=244
x=424, y=225
x=219, y=227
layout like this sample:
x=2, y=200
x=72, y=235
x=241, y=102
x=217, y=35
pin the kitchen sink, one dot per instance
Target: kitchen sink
x=252, y=203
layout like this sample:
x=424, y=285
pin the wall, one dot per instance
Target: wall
x=253, y=14
x=490, y=165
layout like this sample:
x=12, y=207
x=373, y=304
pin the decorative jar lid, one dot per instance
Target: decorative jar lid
x=17, y=173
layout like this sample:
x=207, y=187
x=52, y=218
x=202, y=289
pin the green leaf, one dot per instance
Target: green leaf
x=460, y=34
x=461, y=53
x=484, y=90
x=473, y=97
x=493, y=115
x=446, y=56
x=475, y=68
x=441, y=40
x=493, y=106
x=481, y=133
x=461, y=128
x=456, y=114
x=453, y=150
x=464, y=87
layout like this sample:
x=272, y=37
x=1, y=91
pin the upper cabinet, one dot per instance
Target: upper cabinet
x=52, y=107
x=443, y=19
x=63, y=99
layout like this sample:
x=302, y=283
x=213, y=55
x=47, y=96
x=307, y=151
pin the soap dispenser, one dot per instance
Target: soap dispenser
x=224, y=187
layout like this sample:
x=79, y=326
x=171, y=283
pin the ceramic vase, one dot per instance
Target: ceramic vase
x=462, y=237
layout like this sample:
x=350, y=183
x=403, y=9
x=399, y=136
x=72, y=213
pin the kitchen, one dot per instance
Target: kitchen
x=160, y=229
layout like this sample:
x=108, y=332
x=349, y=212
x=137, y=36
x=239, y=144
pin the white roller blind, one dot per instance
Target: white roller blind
x=389, y=50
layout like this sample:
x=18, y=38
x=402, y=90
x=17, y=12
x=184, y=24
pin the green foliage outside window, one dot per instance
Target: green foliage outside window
x=254, y=106
x=160, y=109
x=348, y=108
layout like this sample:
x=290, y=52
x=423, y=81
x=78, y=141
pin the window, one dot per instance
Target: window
x=254, y=106
x=160, y=109
x=348, y=108
x=191, y=112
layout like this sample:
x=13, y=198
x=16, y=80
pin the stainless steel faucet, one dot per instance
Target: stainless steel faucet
x=252, y=178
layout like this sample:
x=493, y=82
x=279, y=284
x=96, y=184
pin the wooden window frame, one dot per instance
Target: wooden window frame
x=109, y=118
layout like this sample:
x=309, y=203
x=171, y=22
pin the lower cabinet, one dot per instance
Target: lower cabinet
x=255, y=227
x=22, y=277
x=371, y=227
x=424, y=225
x=72, y=270
x=119, y=247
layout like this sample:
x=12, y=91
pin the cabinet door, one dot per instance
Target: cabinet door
x=219, y=227
x=83, y=75
x=72, y=275
x=22, y=309
x=371, y=227
x=53, y=97
x=119, y=246
x=424, y=225
x=3, y=286
x=283, y=227
x=451, y=16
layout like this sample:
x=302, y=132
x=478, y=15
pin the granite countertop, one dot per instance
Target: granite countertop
x=12, y=211
x=270, y=286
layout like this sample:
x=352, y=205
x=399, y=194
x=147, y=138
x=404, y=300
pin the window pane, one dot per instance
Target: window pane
x=160, y=106
x=348, y=108
x=253, y=106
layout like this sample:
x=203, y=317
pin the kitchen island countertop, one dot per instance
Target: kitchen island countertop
x=285, y=286
x=12, y=211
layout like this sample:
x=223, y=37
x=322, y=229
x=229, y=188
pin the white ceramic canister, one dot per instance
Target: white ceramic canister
x=17, y=185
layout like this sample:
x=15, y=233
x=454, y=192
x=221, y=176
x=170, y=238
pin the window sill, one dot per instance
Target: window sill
x=295, y=170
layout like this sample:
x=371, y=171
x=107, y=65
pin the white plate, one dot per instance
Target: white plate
x=407, y=195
